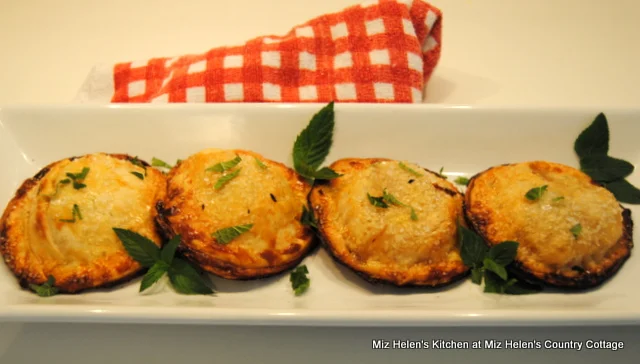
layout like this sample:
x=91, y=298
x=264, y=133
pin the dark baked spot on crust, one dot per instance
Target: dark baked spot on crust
x=43, y=172
x=293, y=248
x=445, y=190
x=269, y=256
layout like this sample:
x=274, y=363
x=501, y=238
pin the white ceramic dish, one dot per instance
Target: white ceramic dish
x=464, y=140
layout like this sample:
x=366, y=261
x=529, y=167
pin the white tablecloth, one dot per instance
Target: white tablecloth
x=500, y=52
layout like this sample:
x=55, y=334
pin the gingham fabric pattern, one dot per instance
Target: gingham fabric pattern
x=382, y=51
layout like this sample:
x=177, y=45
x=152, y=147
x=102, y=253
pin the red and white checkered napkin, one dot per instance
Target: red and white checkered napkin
x=383, y=51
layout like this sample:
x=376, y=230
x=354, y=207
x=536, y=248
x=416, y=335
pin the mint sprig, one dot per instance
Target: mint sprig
x=183, y=277
x=47, y=289
x=592, y=148
x=491, y=264
x=299, y=280
x=312, y=146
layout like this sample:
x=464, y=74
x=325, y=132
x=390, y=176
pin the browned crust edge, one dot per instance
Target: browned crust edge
x=318, y=195
x=220, y=267
x=584, y=280
x=24, y=280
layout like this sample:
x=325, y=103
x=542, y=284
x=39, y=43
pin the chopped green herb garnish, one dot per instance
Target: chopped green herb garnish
x=440, y=173
x=463, y=181
x=226, y=235
x=78, y=178
x=137, y=162
x=409, y=169
x=76, y=214
x=260, y=164
x=377, y=201
x=576, y=230
x=47, y=289
x=388, y=199
x=63, y=182
x=138, y=174
x=226, y=178
x=225, y=166
x=183, y=277
x=299, y=280
x=536, y=193
x=391, y=199
x=155, y=162
x=558, y=199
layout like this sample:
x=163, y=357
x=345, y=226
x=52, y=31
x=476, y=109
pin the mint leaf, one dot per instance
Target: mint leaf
x=225, y=166
x=169, y=250
x=624, y=191
x=536, y=193
x=141, y=249
x=155, y=162
x=377, y=201
x=594, y=140
x=226, y=178
x=602, y=168
x=476, y=275
x=489, y=264
x=472, y=248
x=299, y=280
x=138, y=174
x=186, y=280
x=226, y=235
x=313, y=143
x=47, y=289
x=576, y=230
x=308, y=218
x=409, y=169
x=504, y=253
x=326, y=174
x=153, y=274
x=463, y=181
x=493, y=283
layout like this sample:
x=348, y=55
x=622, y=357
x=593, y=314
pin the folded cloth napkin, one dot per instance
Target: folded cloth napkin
x=382, y=51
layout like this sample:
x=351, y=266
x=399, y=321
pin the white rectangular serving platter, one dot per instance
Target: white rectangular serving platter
x=463, y=140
